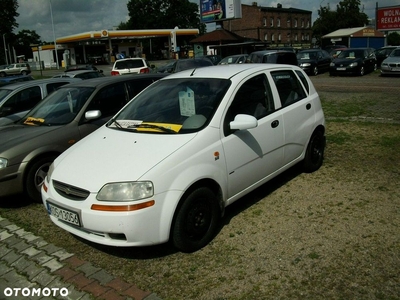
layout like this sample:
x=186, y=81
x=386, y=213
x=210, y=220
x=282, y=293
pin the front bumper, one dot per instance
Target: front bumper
x=147, y=226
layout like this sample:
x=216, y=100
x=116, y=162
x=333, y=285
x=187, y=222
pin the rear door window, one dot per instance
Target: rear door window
x=289, y=87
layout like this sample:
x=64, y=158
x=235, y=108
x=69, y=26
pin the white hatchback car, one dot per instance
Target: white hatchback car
x=166, y=166
x=130, y=66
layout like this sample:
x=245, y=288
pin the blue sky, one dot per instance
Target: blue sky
x=77, y=16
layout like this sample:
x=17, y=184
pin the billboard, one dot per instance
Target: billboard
x=220, y=10
x=388, y=18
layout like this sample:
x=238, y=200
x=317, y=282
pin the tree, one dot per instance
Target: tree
x=347, y=15
x=393, y=39
x=24, y=40
x=163, y=14
x=8, y=13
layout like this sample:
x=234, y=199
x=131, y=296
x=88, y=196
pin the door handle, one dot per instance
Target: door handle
x=275, y=124
x=308, y=106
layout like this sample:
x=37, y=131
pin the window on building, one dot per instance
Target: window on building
x=264, y=22
x=302, y=36
x=266, y=37
x=308, y=23
x=295, y=23
x=278, y=22
x=271, y=20
x=296, y=37
x=279, y=37
x=288, y=23
x=272, y=37
x=302, y=23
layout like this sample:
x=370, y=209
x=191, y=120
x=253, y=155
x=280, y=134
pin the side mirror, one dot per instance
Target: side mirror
x=243, y=122
x=92, y=114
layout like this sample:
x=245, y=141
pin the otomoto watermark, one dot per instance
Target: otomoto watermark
x=40, y=292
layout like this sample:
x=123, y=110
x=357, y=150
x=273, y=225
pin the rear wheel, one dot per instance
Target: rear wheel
x=315, y=152
x=35, y=177
x=196, y=220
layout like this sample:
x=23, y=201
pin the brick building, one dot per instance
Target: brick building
x=277, y=26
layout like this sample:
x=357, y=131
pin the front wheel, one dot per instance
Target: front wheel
x=35, y=177
x=24, y=73
x=315, y=71
x=315, y=152
x=196, y=220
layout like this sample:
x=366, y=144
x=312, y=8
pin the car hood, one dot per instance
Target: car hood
x=346, y=61
x=12, y=135
x=111, y=155
x=392, y=60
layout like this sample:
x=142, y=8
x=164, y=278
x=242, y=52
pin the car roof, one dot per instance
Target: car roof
x=229, y=71
x=81, y=71
x=106, y=80
x=268, y=51
x=131, y=58
x=39, y=81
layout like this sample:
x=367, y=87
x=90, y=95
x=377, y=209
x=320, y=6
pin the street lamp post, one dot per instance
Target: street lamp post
x=5, y=47
x=54, y=35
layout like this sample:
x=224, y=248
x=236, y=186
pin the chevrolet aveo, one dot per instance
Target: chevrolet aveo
x=167, y=165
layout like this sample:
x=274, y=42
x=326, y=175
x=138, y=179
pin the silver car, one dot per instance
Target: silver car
x=391, y=65
x=73, y=111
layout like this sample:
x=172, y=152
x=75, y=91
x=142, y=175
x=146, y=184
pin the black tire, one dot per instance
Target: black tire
x=196, y=220
x=315, y=71
x=315, y=152
x=2, y=74
x=35, y=177
x=24, y=73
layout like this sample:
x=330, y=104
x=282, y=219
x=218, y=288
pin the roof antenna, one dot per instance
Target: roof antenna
x=193, y=72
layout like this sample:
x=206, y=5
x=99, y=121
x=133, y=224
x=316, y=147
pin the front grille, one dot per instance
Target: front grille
x=394, y=65
x=70, y=192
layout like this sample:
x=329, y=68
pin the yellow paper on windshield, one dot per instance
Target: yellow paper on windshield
x=33, y=121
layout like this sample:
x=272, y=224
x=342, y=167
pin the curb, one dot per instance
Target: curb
x=31, y=268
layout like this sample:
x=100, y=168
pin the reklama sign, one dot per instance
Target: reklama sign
x=388, y=18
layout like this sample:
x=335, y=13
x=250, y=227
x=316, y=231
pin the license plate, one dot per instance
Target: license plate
x=63, y=214
x=341, y=69
x=396, y=69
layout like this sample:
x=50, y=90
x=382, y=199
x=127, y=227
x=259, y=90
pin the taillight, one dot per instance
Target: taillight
x=145, y=70
x=114, y=73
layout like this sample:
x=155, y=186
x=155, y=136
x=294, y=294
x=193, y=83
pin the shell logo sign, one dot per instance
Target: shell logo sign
x=104, y=33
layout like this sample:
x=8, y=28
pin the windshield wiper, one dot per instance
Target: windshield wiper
x=152, y=126
x=114, y=121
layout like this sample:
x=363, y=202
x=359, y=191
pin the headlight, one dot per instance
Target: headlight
x=305, y=65
x=126, y=191
x=49, y=173
x=354, y=64
x=332, y=64
x=3, y=163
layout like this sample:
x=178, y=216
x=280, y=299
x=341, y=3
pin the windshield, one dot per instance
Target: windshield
x=393, y=54
x=4, y=93
x=173, y=106
x=351, y=54
x=59, y=108
x=307, y=55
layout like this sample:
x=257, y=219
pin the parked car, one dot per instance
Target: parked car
x=354, y=61
x=273, y=57
x=81, y=74
x=314, y=61
x=391, y=65
x=18, y=98
x=169, y=163
x=382, y=53
x=189, y=63
x=73, y=111
x=16, y=69
x=234, y=59
x=166, y=66
x=130, y=66
x=335, y=52
x=214, y=58
x=82, y=67
x=14, y=79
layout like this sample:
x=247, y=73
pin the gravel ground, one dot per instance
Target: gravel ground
x=332, y=234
